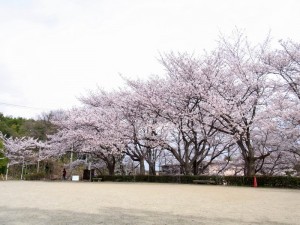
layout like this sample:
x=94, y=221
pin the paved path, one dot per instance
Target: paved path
x=52, y=203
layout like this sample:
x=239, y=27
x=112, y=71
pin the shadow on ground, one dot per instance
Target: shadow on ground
x=31, y=216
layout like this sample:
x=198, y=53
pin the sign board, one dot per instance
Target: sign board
x=75, y=178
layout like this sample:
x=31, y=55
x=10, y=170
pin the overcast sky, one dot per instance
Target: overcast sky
x=53, y=51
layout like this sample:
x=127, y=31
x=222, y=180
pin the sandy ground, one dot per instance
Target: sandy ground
x=25, y=202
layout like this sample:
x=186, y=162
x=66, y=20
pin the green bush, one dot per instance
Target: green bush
x=3, y=161
x=263, y=181
x=34, y=176
x=160, y=179
x=238, y=180
x=282, y=181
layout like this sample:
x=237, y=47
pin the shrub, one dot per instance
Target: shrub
x=35, y=176
x=282, y=181
x=263, y=181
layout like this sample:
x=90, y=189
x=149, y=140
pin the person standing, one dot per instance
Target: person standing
x=64, y=174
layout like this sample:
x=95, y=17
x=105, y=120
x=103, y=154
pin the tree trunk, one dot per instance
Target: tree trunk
x=248, y=156
x=142, y=167
x=187, y=168
x=111, y=163
x=195, y=168
x=249, y=169
x=152, y=170
x=111, y=169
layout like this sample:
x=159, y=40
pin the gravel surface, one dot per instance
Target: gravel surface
x=26, y=202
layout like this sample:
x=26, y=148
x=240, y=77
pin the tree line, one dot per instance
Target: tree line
x=235, y=108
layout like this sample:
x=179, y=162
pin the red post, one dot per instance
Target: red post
x=254, y=182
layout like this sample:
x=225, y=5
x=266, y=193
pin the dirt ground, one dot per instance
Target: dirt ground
x=53, y=203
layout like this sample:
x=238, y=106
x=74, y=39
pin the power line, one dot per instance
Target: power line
x=22, y=106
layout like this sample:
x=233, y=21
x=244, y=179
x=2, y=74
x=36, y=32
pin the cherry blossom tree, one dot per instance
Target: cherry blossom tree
x=285, y=62
x=187, y=130
x=89, y=130
x=24, y=150
x=282, y=131
x=136, y=128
